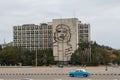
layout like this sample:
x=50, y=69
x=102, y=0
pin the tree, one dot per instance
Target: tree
x=45, y=57
x=15, y=55
x=81, y=55
x=85, y=47
x=0, y=47
x=9, y=55
x=99, y=55
x=117, y=58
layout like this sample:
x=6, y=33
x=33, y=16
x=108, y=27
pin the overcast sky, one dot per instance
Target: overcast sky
x=103, y=16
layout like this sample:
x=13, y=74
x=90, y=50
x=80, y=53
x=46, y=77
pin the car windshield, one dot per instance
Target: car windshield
x=80, y=70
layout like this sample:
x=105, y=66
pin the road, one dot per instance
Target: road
x=54, y=73
x=60, y=77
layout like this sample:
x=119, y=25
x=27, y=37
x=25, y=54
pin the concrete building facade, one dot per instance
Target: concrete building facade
x=62, y=35
x=67, y=34
x=33, y=37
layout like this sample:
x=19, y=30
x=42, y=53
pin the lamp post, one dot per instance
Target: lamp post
x=36, y=58
x=106, y=67
x=90, y=51
x=105, y=64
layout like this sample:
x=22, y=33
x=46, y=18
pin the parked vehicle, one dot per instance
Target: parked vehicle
x=79, y=72
x=60, y=66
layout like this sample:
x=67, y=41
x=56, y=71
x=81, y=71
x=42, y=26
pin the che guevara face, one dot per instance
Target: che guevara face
x=61, y=33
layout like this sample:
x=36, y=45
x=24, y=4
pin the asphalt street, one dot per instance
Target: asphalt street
x=62, y=77
x=55, y=73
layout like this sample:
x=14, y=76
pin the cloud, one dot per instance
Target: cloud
x=103, y=15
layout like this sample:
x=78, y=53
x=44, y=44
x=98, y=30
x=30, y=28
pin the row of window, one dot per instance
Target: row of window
x=83, y=39
x=83, y=35
x=32, y=32
x=41, y=45
x=33, y=37
x=37, y=41
x=83, y=31
x=83, y=26
x=33, y=43
x=33, y=49
x=32, y=27
x=22, y=36
x=38, y=48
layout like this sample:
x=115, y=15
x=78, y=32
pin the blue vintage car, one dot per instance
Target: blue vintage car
x=79, y=72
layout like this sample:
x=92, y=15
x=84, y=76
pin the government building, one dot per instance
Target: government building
x=61, y=35
x=33, y=37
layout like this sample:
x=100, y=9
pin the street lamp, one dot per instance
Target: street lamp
x=106, y=68
x=90, y=51
x=36, y=58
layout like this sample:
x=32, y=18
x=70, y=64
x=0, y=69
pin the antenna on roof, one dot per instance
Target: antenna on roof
x=74, y=13
x=4, y=41
x=61, y=19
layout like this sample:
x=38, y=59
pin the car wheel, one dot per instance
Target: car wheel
x=84, y=75
x=71, y=75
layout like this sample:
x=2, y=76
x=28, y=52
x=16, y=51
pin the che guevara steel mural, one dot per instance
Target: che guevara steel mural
x=62, y=38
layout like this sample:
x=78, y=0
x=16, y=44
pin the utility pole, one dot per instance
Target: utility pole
x=36, y=58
